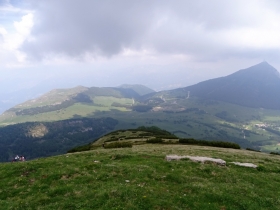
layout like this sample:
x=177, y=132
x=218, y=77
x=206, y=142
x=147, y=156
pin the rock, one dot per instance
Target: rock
x=250, y=165
x=196, y=159
x=174, y=157
x=207, y=159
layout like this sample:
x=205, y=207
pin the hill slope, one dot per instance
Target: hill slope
x=80, y=101
x=140, y=178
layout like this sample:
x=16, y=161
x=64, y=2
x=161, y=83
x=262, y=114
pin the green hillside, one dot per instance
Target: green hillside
x=178, y=111
x=70, y=103
x=140, y=89
x=141, y=178
x=185, y=117
x=146, y=135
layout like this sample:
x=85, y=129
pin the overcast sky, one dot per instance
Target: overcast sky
x=162, y=44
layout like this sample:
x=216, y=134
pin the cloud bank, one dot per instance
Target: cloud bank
x=202, y=30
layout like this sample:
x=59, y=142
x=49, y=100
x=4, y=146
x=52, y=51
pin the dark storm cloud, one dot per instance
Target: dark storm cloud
x=106, y=27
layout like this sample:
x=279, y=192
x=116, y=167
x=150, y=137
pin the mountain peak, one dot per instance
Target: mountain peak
x=263, y=70
x=263, y=65
x=256, y=86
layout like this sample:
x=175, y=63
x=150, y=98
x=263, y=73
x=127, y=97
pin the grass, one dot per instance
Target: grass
x=273, y=148
x=108, y=101
x=120, y=135
x=140, y=178
x=82, y=110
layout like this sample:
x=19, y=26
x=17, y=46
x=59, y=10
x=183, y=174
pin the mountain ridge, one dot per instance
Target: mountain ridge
x=256, y=86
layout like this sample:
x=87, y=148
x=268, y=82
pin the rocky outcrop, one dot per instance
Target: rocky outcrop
x=208, y=159
x=196, y=159
x=249, y=165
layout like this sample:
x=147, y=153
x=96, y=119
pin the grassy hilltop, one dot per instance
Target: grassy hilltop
x=140, y=178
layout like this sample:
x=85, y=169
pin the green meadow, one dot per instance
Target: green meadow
x=141, y=178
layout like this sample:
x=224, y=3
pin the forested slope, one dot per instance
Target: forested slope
x=40, y=139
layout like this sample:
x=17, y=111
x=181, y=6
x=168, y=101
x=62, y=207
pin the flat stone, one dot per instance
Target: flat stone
x=174, y=157
x=196, y=159
x=250, y=165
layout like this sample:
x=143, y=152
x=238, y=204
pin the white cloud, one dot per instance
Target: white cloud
x=11, y=41
x=23, y=27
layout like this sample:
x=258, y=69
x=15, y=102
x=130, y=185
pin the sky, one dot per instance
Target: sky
x=50, y=44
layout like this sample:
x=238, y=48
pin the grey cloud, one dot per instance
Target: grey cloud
x=101, y=26
x=106, y=27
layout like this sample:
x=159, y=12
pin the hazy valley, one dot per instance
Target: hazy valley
x=240, y=108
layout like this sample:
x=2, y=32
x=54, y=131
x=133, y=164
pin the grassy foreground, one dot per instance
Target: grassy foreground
x=140, y=178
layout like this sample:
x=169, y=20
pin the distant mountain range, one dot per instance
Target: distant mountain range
x=257, y=86
x=62, y=98
x=242, y=107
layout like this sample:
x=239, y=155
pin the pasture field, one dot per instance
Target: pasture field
x=273, y=148
x=141, y=178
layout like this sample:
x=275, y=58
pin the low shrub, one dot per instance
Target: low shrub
x=80, y=148
x=167, y=136
x=250, y=149
x=223, y=144
x=146, y=134
x=170, y=142
x=274, y=153
x=110, y=140
x=118, y=145
x=132, y=137
x=122, y=137
x=154, y=141
x=156, y=131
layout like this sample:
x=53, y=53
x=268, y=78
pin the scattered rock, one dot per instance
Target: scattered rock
x=196, y=159
x=173, y=157
x=142, y=184
x=250, y=165
x=32, y=180
x=207, y=159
